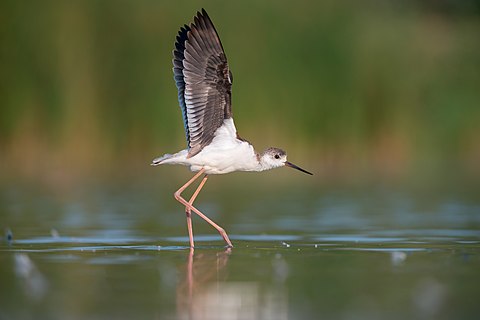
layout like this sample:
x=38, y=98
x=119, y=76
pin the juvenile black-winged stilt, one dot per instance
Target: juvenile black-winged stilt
x=204, y=83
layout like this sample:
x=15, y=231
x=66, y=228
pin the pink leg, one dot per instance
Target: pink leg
x=188, y=212
x=188, y=206
x=187, y=209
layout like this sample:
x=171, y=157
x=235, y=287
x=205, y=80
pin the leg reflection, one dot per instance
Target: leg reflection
x=205, y=291
x=201, y=271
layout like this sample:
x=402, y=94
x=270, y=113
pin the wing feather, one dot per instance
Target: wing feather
x=203, y=81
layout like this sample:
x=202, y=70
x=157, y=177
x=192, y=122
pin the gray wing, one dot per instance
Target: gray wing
x=204, y=81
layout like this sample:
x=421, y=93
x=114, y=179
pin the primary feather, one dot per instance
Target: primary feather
x=203, y=81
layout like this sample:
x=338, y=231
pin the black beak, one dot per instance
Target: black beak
x=291, y=165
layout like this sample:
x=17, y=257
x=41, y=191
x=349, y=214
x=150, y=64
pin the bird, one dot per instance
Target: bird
x=204, y=82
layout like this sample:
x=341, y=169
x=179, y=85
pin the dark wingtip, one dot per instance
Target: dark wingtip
x=203, y=14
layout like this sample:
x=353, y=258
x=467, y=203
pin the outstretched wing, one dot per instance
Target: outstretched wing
x=204, y=81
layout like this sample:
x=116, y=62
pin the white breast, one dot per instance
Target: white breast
x=225, y=153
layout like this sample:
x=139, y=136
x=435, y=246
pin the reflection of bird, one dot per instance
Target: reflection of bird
x=199, y=279
x=204, y=83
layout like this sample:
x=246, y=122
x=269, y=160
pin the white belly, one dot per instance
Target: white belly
x=224, y=154
x=219, y=158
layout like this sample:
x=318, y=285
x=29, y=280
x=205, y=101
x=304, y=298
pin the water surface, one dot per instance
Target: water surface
x=308, y=252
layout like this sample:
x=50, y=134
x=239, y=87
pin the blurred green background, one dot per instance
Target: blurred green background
x=348, y=88
x=380, y=99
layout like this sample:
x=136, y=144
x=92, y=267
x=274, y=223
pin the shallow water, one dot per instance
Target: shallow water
x=308, y=252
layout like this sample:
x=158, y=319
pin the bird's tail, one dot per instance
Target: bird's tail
x=159, y=160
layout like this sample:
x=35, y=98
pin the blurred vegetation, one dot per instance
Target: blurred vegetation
x=385, y=87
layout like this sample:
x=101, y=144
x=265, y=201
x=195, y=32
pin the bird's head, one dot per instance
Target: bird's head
x=274, y=157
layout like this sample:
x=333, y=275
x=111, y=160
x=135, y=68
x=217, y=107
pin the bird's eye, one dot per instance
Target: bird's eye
x=277, y=156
